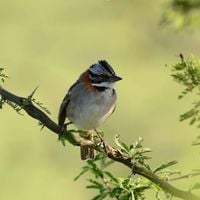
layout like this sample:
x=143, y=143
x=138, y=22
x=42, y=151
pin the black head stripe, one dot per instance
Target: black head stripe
x=107, y=67
x=100, y=72
x=94, y=77
x=101, y=89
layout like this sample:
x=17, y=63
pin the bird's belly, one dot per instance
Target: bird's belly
x=90, y=114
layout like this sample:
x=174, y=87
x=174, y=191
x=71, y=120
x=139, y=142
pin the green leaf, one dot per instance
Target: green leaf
x=41, y=105
x=196, y=186
x=106, y=163
x=111, y=176
x=96, y=185
x=15, y=107
x=122, y=145
x=187, y=74
x=79, y=175
x=180, y=66
x=189, y=114
x=95, y=169
x=2, y=75
x=165, y=165
x=100, y=196
x=193, y=120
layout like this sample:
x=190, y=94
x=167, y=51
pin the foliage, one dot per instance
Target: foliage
x=108, y=185
x=2, y=79
x=2, y=75
x=130, y=187
x=136, y=150
x=17, y=108
x=41, y=105
x=197, y=141
x=181, y=13
x=187, y=73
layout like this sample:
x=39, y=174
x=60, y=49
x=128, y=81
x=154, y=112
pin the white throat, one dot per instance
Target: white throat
x=104, y=84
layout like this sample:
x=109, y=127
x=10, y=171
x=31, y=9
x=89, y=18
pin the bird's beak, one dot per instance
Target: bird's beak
x=115, y=78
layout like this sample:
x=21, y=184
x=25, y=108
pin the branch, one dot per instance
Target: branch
x=114, y=154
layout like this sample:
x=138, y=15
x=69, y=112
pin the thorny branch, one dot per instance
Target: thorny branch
x=113, y=153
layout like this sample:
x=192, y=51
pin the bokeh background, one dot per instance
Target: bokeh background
x=48, y=44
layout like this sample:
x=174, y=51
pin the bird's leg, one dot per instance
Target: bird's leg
x=105, y=146
x=87, y=152
x=92, y=152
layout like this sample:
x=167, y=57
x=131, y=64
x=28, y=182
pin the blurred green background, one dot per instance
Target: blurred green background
x=48, y=44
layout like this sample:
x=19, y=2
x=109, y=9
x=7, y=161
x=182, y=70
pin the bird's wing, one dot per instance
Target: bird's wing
x=63, y=107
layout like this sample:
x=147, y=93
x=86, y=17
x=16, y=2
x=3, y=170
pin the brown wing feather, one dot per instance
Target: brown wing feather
x=63, y=108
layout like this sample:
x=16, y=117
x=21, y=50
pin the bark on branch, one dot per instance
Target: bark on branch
x=27, y=105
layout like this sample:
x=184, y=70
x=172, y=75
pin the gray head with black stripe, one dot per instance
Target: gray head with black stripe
x=103, y=75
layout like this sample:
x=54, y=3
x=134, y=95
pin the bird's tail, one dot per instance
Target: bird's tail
x=87, y=152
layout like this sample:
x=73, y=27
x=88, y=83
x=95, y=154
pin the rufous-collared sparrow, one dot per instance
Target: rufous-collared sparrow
x=90, y=100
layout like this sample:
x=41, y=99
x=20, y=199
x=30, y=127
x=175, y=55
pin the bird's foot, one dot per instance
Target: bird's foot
x=103, y=143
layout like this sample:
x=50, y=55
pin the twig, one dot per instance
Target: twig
x=106, y=183
x=185, y=176
x=113, y=153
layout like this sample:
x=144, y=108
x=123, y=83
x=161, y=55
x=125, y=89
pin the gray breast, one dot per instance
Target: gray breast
x=87, y=110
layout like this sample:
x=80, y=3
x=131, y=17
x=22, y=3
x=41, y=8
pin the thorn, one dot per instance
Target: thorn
x=182, y=57
x=42, y=127
x=31, y=95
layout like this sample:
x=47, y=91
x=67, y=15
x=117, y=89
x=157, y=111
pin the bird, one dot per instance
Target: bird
x=90, y=101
